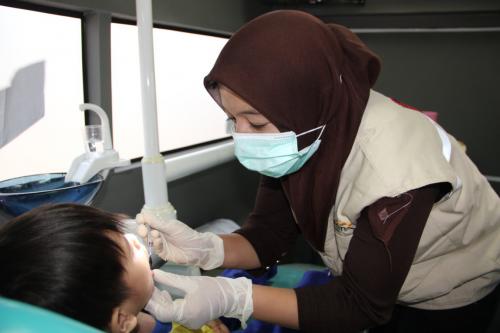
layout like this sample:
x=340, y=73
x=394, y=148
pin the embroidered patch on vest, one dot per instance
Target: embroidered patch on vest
x=383, y=214
x=343, y=226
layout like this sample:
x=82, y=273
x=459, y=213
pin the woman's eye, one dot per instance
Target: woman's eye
x=258, y=125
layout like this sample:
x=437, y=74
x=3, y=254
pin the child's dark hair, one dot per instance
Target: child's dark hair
x=62, y=258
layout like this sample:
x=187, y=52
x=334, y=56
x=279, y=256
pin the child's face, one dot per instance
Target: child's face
x=138, y=279
x=138, y=276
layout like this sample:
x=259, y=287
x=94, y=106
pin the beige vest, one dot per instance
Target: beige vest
x=458, y=258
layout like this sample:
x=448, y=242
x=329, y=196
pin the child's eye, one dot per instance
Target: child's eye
x=136, y=244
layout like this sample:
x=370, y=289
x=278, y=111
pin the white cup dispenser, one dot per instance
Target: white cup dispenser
x=99, y=154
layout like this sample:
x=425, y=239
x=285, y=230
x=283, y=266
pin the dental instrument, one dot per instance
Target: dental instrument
x=149, y=246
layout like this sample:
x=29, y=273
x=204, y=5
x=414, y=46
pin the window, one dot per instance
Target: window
x=54, y=42
x=187, y=114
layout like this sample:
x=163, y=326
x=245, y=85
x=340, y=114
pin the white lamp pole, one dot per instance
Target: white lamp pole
x=153, y=164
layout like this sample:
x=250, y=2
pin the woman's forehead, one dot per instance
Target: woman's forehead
x=231, y=102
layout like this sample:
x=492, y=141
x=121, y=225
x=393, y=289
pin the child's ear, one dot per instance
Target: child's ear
x=122, y=321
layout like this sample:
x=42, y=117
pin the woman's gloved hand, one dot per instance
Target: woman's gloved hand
x=161, y=302
x=206, y=298
x=174, y=241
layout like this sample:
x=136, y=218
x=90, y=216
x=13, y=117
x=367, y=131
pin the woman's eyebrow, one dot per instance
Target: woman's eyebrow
x=250, y=112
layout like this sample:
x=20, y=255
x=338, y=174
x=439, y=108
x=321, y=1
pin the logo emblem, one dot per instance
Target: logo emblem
x=343, y=226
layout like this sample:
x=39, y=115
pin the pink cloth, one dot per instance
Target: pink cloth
x=431, y=114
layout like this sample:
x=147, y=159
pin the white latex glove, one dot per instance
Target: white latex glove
x=174, y=241
x=206, y=298
x=161, y=302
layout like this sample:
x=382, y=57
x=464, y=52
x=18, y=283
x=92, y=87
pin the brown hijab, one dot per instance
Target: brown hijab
x=301, y=73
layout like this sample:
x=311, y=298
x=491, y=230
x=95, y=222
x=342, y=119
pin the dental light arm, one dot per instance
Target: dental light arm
x=153, y=164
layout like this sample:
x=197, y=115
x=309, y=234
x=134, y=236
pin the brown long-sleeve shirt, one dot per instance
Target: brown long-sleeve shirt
x=375, y=266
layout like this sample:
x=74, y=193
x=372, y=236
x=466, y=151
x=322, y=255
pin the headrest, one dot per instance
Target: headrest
x=21, y=317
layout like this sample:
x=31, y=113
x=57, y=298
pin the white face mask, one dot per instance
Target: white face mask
x=273, y=154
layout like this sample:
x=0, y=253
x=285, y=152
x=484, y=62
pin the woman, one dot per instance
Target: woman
x=397, y=211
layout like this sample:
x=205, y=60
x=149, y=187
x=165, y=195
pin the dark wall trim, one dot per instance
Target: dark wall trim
x=404, y=14
x=383, y=7
x=41, y=8
x=429, y=20
x=219, y=17
x=193, y=30
x=223, y=17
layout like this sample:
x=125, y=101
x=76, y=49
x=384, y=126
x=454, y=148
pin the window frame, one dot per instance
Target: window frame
x=65, y=12
x=164, y=153
x=80, y=13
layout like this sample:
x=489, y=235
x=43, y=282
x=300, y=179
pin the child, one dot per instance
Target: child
x=76, y=260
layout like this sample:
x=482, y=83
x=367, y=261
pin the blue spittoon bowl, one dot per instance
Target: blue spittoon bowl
x=19, y=195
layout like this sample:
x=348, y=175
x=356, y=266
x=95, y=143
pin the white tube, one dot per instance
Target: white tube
x=191, y=161
x=148, y=83
x=153, y=167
